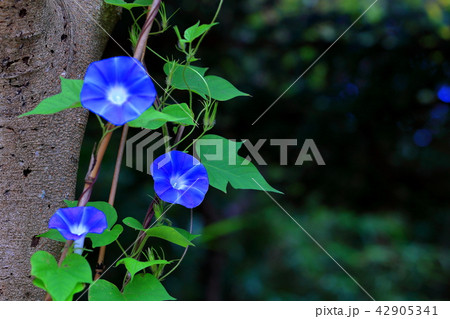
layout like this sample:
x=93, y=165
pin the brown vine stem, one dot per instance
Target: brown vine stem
x=88, y=185
x=139, y=54
x=113, y=191
x=93, y=172
x=141, y=45
x=100, y=267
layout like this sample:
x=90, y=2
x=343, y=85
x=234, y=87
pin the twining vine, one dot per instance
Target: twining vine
x=122, y=94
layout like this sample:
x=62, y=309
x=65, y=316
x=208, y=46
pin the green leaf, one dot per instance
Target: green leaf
x=170, y=234
x=193, y=32
x=38, y=283
x=105, y=238
x=133, y=266
x=68, y=98
x=187, y=77
x=229, y=167
x=193, y=78
x=221, y=89
x=143, y=287
x=78, y=288
x=109, y=211
x=60, y=282
x=178, y=70
x=152, y=119
x=126, y=5
x=102, y=290
x=175, y=235
x=53, y=234
x=179, y=113
x=186, y=234
x=70, y=203
x=133, y=223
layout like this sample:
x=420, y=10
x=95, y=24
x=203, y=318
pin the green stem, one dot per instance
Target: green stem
x=124, y=252
x=155, y=53
x=185, y=137
x=166, y=137
x=201, y=135
x=190, y=132
x=182, y=256
x=204, y=34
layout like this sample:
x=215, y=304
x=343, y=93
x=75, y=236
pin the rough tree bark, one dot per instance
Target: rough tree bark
x=40, y=40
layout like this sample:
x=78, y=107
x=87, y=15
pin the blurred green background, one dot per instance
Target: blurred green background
x=380, y=206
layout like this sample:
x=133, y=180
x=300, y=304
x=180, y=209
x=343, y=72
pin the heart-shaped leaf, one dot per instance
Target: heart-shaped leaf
x=105, y=238
x=152, y=119
x=133, y=223
x=133, y=266
x=230, y=168
x=69, y=97
x=130, y=5
x=53, y=234
x=60, y=282
x=175, y=235
x=170, y=234
x=143, y=287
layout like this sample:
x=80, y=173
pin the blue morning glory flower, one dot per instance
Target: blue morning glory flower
x=118, y=89
x=180, y=179
x=74, y=223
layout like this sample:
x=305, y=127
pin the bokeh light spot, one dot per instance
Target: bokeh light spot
x=439, y=112
x=422, y=137
x=444, y=93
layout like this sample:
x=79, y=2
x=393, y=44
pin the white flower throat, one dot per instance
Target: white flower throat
x=178, y=182
x=117, y=95
x=78, y=229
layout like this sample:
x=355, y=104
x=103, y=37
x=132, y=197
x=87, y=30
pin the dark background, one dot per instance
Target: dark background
x=379, y=206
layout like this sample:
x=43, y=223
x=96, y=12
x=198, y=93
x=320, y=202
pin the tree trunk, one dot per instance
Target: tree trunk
x=40, y=40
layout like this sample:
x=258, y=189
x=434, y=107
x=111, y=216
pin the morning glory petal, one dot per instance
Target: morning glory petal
x=117, y=89
x=180, y=178
x=76, y=222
